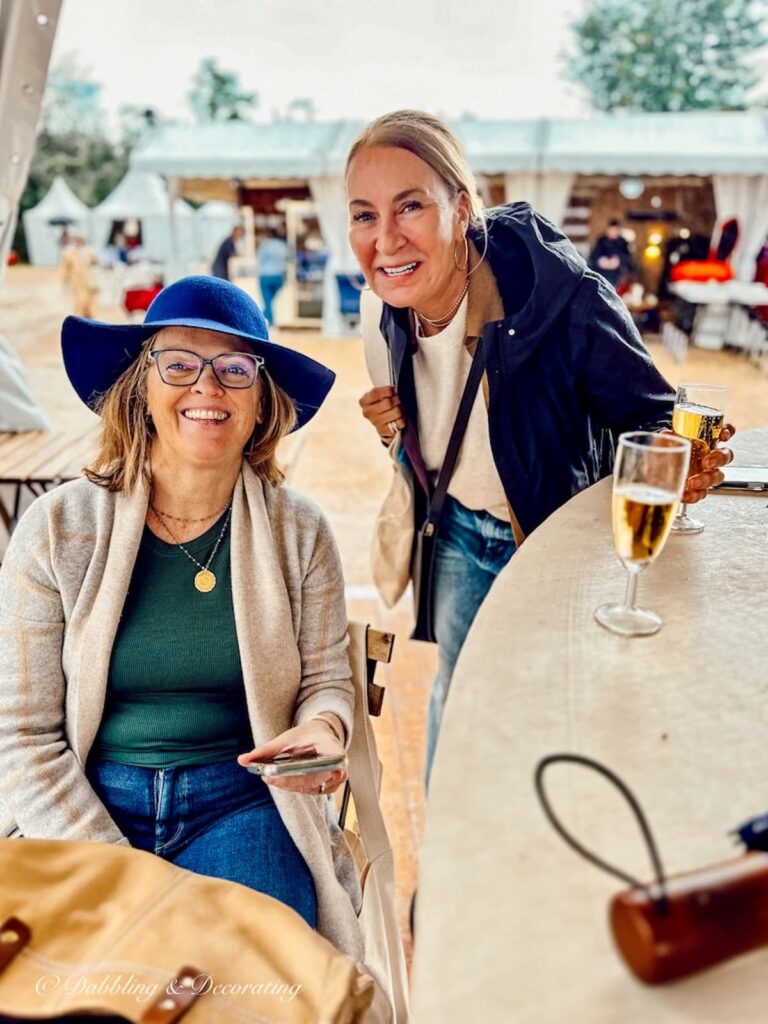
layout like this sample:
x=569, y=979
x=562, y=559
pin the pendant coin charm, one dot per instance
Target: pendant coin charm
x=205, y=581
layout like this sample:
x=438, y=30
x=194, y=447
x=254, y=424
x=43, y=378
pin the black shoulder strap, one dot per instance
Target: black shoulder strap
x=457, y=434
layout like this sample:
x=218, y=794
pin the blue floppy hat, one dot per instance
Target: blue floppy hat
x=96, y=353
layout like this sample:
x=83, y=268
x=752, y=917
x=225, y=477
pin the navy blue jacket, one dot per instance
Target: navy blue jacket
x=567, y=370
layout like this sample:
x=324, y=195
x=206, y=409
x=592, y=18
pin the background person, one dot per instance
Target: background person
x=272, y=257
x=611, y=255
x=228, y=248
x=179, y=613
x=77, y=262
x=566, y=371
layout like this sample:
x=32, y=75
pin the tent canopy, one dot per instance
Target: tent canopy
x=143, y=195
x=58, y=205
x=700, y=143
x=60, y=201
x=235, y=149
x=140, y=194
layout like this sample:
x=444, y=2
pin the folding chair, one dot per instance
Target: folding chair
x=363, y=822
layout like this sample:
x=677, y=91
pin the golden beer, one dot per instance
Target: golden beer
x=642, y=517
x=701, y=424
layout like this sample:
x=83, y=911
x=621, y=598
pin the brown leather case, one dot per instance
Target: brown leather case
x=710, y=915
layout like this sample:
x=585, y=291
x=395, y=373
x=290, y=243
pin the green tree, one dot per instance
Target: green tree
x=656, y=55
x=216, y=94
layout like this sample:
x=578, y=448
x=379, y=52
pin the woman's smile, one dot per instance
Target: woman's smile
x=206, y=417
x=405, y=229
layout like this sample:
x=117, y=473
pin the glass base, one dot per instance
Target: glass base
x=618, y=618
x=683, y=523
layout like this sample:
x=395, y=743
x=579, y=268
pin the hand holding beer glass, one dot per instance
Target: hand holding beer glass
x=699, y=415
x=648, y=481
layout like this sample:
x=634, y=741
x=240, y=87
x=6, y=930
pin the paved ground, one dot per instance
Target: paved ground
x=339, y=461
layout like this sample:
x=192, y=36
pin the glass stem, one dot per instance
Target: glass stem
x=629, y=599
x=683, y=510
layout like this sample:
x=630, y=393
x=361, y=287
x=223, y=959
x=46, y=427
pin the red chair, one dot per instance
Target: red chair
x=138, y=300
x=716, y=267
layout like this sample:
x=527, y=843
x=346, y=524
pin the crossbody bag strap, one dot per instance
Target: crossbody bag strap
x=457, y=435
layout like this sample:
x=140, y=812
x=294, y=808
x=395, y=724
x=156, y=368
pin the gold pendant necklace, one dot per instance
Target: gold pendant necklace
x=205, y=580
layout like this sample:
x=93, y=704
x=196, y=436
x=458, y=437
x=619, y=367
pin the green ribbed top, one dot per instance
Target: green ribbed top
x=175, y=693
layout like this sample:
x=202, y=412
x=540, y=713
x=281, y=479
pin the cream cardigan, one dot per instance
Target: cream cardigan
x=62, y=588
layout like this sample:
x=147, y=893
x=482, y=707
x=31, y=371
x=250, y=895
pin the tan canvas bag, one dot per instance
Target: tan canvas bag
x=94, y=928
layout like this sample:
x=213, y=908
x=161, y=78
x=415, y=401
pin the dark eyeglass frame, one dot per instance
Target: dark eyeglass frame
x=155, y=354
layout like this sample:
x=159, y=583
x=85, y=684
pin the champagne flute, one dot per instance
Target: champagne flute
x=699, y=415
x=648, y=482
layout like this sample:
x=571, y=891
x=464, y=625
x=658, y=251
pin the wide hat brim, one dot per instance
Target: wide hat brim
x=96, y=353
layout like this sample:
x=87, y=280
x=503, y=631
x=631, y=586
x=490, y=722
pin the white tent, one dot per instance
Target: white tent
x=43, y=223
x=213, y=222
x=142, y=195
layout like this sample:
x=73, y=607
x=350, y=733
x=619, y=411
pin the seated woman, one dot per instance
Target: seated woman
x=178, y=613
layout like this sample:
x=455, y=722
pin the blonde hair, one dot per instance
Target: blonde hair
x=432, y=141
x=127, y=429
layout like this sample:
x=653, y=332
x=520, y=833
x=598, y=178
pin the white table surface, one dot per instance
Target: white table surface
x=512, y=924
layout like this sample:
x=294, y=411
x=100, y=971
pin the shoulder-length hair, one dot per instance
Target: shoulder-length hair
x=127, y=430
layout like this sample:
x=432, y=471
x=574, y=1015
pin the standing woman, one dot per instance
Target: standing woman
x=178, y=613
x=565, y=369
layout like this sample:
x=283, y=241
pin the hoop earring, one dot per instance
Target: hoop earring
x=466, y=256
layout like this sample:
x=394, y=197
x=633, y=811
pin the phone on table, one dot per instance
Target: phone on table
x=299, y=761
x=744, y=478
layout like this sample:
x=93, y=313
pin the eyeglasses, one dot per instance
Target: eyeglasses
x=181, y=368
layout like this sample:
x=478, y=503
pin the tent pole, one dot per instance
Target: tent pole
x=173, y=269
x=26, y=39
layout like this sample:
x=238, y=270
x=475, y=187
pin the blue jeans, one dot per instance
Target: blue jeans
x=472, y=549
x=270, y=285
x=214, y=819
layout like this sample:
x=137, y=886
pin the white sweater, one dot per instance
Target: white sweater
x=440, y=368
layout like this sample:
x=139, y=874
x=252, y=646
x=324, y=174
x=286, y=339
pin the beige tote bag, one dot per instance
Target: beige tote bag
x=392, y=541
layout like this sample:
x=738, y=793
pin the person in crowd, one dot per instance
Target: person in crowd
x=178, y=613
x=272, y=257
x=77, y=262
x=225, y=252
x=611, y=255
x=565, y=369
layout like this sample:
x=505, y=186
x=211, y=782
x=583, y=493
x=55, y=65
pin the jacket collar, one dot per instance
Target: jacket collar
x=483, y=301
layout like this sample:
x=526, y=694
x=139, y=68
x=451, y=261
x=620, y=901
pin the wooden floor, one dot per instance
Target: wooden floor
x=339, y=461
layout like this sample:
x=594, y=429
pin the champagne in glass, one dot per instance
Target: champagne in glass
x=699, y=416
x=648, y=481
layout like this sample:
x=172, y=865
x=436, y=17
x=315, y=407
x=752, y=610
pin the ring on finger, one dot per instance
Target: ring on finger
x=393, y=427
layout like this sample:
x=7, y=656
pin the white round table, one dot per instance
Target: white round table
x=512, y=924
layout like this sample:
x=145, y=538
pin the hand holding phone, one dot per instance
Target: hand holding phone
x=297, y=761
x=308, y=758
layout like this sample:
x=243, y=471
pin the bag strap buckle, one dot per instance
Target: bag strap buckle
x=178, y=996
x=14, y=936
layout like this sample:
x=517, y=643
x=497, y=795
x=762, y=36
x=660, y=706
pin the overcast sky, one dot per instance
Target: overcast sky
x=354, y=58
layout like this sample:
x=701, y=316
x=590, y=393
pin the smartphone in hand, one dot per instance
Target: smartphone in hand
x=297, y=761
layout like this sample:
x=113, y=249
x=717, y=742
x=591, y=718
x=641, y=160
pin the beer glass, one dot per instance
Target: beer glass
x=648, y=481
x=698, y=415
